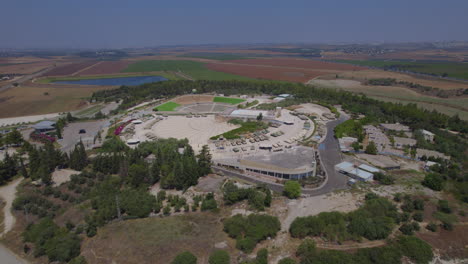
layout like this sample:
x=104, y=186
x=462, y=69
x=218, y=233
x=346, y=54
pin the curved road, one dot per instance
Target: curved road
x=330, y=155
x=7, y=257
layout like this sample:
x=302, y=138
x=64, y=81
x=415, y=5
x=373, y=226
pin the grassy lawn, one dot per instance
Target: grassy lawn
x=169, y=106
x=196, y=70
x=452, y=69
x=167, y=75
x=155, y=240
x=228, y=100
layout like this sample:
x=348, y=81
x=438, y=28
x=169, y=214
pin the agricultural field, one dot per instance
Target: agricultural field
x=44, y=99
x=169, y=106
x=214, y=56
x=106, y=67
x=196, y=70
x=282, y=69
x=167, y=75
x=228, y=100
x=399, y=94
x=457, y=70
x=70, y=69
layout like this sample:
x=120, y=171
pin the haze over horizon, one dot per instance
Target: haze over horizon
x=121, y=24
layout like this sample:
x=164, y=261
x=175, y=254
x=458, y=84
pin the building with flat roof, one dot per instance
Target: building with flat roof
x=349, y=169
x=401, y=142
x=396, y=127
x=251, y=114
x=428, y=135
x=296, y=163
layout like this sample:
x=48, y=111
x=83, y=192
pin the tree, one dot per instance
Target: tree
x=44, y=175
x=14, y=138
x=416, y=249
x=137, y=174
x=433, y=181
x=185, y=258
x=58, y=131
x=219, y=257
x=262, y=256
x=287, y=261
x=371, y=148
x=204, y=160
x=260, y=117
x=292, y=189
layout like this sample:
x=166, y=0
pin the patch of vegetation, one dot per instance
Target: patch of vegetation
x=258, y=198
x=292, y=189
x=246, y=127
x=169, y=106
x=185, y=258
x=219, y=257
x=375, y=220
x=228, y=100
x=350, y=128
x=249, y=230
x=214, y=56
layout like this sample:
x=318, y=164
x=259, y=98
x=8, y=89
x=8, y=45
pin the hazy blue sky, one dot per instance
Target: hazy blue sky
x=137, y=23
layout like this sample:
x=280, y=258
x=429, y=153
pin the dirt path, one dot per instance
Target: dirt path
x=7, y=193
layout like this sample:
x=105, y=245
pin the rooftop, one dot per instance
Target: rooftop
x=295, y=158
x=395, y=127
x=249, y=113
x=44, y=125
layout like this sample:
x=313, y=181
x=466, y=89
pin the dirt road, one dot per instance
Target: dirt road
x=7, y=193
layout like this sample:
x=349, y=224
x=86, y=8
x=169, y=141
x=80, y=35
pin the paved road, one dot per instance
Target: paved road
x=330, y=155
x=7, y=257
x=24, y=78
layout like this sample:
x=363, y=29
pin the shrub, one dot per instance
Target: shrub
x=262, y=256
x=418, y=216
x=185, y=258
x=306, y=248
x=287, y=261
x=219, y=257
x=292, y=189
x=433, y=181
x=444, y=207
x=431, y=227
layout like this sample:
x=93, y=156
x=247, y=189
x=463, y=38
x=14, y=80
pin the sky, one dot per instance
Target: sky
x=150, y=23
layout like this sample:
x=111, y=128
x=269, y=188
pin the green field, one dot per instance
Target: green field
x=446, y=69
x=169, y=106
x=196, y=70
x=245, y=127
x=228, y=100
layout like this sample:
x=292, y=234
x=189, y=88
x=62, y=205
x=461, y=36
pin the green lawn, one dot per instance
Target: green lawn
x=169, y=106
x=196, y=70
x=450, y=69
x=227, y=100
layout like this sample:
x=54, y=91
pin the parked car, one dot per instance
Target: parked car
x=82, y=131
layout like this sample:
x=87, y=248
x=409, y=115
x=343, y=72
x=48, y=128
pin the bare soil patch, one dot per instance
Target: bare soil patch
x=69, y=69
x=106, y=67
x=450, y=244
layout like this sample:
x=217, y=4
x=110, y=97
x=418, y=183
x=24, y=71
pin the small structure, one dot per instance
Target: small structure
x=44, y=126
x=401, y=142
x=285, y=96
x=395, y=127
x=368, y=168
x=346, y=142
x=349, y=169
x=429, y=164
x=278, y=99
x=133, y=141
x=251, y=114
x=137, y=122
x=288, y=122
x=428, y=135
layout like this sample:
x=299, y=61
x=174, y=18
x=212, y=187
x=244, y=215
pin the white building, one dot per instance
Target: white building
x=428, y=135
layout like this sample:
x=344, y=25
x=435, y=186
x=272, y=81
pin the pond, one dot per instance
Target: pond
x=118, y=81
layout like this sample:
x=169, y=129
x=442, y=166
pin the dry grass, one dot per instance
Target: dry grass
x=30, y=100
x=155, y=240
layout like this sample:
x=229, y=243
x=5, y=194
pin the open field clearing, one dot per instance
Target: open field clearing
x=450, y=69
x=70, y=68
x=169, y=106
x=284, y=69
x=32, y=100
x=25, y=68
x=155, y=240
x=228, y=100
x=196, y=70
x=376, y=74
x=213, y=56
x=399, y=94
x=106, y=67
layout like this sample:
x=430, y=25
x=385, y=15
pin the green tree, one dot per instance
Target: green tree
x=14, y=138
x=260, y=117
x=292, y=189
x=219, y=257
x=287, y=261
x=371, y=148
x=185, y=258
x=416, y=249
x=262, y=256
x=433, y=181
x=204, y=160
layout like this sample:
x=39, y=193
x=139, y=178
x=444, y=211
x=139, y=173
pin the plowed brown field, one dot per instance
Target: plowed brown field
x=69, y=69
x=106, y=67
x=283, y=69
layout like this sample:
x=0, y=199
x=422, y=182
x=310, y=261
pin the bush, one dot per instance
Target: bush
x=78, y=260
x=407, y=229
x=287, y=261
x=383, y=178
x=444, y=207
x=306, y=248
x=431, y=227
x=219, y=257
x=418, y=216
x=209, y=203
x=262, y=256
x=292, y=189
x=185, y=258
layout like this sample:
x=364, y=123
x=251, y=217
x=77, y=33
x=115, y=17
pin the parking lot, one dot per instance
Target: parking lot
x=71, y=134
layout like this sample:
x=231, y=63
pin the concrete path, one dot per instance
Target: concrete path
x=8, y=257
x=7, y=194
